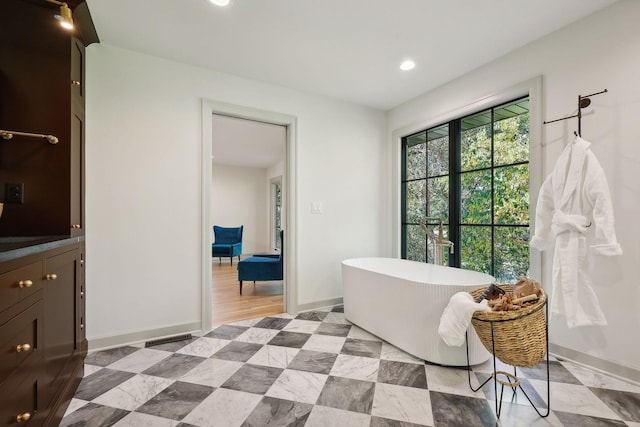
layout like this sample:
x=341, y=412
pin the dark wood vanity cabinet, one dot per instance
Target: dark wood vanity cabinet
x=42, y=340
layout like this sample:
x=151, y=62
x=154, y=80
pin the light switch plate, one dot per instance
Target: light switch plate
x=316, y=207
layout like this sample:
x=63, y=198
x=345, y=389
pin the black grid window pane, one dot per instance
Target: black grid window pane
x=511, y=139
x=415, y=157
x=511, y=199
x=475, y=200
x=475, y=142
x=438, y=197
x=511, y=249
x=416, y=197
x=416, y=243
x=475, y=248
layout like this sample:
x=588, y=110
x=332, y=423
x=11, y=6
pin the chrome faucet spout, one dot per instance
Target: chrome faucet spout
x=439, y=241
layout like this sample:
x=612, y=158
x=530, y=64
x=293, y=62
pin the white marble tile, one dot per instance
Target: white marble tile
x=356, y=367
x=212, y=372
x=140, y=360
x=90, y=369
x=140, y=344
x=573, y=398
x=325, y=343
x=203, y=347
x=514, y=415
x=323, y=416
x=402, y=403
x=487, y=367
x=136, y=419
x=336, y=318
x=298, y=386
x=390, y=352
x=134, y=392
x=304, y=326
x=454, y=381
x=592, y=378
x=74, y=405
x=257, y=335
x=223, y=407
x=247, y=322
x=631, y=424
x=274, y=355
x=361, y=334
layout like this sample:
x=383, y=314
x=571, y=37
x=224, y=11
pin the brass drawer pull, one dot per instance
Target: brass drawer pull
x=23, y=417
x=76, y=226
x=25, y=284
x=75, y=82
x=51, y=276
x=23, y=347
x=81, y=325
x=81, y=293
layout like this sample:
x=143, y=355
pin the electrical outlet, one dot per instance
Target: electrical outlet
x=13, y=193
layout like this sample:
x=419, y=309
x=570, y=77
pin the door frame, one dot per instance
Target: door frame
x=289, y=224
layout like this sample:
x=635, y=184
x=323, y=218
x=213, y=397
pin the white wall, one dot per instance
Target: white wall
x=143, y=172
x=239, y=197
x=599, y=52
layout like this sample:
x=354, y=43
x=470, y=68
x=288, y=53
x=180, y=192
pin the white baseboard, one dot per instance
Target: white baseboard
x=319, y=304
x=104, y=343
x=606, y=366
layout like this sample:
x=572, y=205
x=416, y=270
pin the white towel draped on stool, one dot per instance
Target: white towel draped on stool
x=456, y=317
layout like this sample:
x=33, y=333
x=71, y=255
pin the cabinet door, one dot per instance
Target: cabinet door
x=77, y=70
x=77, y=170
x=60, y=313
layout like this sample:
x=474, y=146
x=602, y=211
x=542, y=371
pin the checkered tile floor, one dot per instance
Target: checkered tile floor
x=319, y=370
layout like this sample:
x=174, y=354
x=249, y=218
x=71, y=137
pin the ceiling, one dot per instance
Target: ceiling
x=346, y=49
x=247, y=143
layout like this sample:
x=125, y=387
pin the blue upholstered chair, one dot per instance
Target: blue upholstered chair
x=227, y=242
x=262, y=267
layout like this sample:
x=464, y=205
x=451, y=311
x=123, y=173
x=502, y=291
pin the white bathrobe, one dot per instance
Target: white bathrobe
x=574, y=209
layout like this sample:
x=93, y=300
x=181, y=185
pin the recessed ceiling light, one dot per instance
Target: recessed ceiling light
x=221, y=2
x=407, y=65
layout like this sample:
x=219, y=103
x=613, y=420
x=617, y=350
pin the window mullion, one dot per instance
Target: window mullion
x=454, y=191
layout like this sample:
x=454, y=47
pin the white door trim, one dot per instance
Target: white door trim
x=289, y=220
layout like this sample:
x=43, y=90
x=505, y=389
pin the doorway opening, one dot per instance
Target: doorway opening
x=248, y=181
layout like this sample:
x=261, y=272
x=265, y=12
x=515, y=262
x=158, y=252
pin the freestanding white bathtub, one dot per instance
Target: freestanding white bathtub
x=401, y=302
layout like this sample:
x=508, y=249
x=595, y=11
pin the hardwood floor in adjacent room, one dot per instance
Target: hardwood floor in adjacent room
x=265, y=299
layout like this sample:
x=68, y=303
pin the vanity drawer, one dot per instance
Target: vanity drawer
x=20, y=395
x=20, y=283
x=21, y=340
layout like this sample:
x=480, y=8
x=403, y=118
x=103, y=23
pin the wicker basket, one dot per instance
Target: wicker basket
x=519, y=336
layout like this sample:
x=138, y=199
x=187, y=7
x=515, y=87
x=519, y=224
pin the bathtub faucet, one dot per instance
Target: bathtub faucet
x=439, y=242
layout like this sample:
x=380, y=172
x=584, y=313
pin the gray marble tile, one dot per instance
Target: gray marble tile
x=348, y=394
x=174, y=366
x=173, y=346
x=334, y=329
x=277, y=412
x=453, y=410
x=107, y=357
x=185, y=425
x=290, y=339
x=94, y=415
x=237, y=351
x=386, y=422
x=316, y=316
x=176, y=401
x=253, y=379
x=569, y=419
x=272, y=323
x=363, y=348
x=557, y=373
x=338, y=309
x=313, y=361
x=624, y=403
x=226, y=332
x=100, y=382
x=136, y=419
x=404, y=374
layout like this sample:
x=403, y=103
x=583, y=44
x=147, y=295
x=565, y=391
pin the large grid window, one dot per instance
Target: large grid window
x=473, y=173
